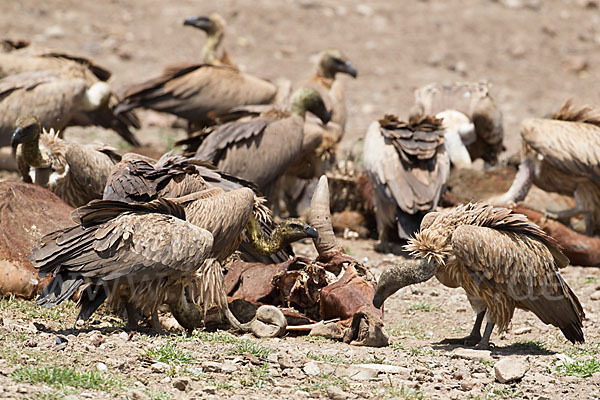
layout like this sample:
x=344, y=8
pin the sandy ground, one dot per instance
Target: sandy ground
x=535, y=53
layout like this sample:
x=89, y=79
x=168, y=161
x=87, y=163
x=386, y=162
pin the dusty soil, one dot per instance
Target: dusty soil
x=536, y=54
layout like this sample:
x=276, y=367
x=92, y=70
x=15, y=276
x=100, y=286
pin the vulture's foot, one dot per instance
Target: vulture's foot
x=156, y=326
x=483, y=345
x=470, y=340
x=132, y=317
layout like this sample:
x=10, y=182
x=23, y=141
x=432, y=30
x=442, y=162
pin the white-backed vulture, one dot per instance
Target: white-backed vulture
x=501, y=259
x=140, y=179
x=53, y=96
x=214, y=26
x=147, y=254
x=76, y=67
x=472, y=99
x=562, y=155
x=76, y=173
x=261, y=148
x=409, y=168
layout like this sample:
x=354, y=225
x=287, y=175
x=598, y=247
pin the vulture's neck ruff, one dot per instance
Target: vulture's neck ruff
x=430, y=245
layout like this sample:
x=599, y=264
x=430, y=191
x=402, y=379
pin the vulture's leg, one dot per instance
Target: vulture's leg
x=156, y=326
x=132, y=317
x=475, y=335
x=484, y=343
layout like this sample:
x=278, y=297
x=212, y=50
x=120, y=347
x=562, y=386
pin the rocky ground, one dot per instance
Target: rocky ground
x=42, y=356
x=536, y=54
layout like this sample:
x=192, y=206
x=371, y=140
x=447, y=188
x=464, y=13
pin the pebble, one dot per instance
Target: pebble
x=522, y=331
x=467, y=384
x=301, y=394
x=335, y=393
x=211, y=366
x=595, y=295
x=160, y=367
x=136, y=394
x=60, y=342
x=294, y=373
x=97, y=339
x=510, y=369
x=166, y=379
x=101, y=367
x=181, y=383
x=472, y=354
x=209, y=389
x=124, y=336
x=228, y=367
x=311, y=369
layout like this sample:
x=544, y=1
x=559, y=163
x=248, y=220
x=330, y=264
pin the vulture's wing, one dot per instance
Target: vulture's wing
x=411, y=164
x=127, y=181
x=571, y=147
x=213, y=147
x=522, y=267
x=193, y=90
x=116, y=242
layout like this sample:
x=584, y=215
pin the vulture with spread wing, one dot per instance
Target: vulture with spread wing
x=147, y=254
x=408, y=166
x=472, y=120
x=262, y=145
x=501, y=259
x=76, y=173
x=562, y=155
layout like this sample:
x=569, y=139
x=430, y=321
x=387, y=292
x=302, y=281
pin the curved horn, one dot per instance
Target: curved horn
x=320, y=217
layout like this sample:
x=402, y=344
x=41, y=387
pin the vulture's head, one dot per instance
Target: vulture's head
x=432, y=242
x=27, y=130
x=308, y=99
x=212, y=24
x=292, y=230
x=403, y=274
x=333, y=61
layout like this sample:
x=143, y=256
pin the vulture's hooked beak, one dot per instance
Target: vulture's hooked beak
x=17, y=138
x=203, y=23
x=325, y=117
x=349, y=69
x=311, y=231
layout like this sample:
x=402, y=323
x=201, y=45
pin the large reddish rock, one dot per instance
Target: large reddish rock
x=27, y=212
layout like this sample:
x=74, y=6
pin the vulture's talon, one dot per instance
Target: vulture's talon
x=471, y=340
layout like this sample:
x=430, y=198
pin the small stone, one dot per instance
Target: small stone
x=166, y=379
x=294, y=373
x=101, y=367
x=181, y=383
x=575, y=64
x=467, y=384
x=136, y=394
x=22, y=389
x=124, y=336
x=228, y=368
x=311, y=369
x=510, y=369
x=285, y=361
x=160, y=367
x=472, y=354
x=335, y=393
x=211, y=366
x=301, y=394
x=60, y=342
x=595, y=295
x=522, y=331
x=96, y=339
x=209, y=389
x=55, y=31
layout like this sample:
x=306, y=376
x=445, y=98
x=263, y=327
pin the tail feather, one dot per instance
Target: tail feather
x=60, y=289
x=574, y=333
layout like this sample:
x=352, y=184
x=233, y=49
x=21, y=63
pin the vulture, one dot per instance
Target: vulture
x=198, y=92
x=214, y=26
x=320, y=140
x=74, y=68
x=145, y=254
x=409, y=169
x=562, y=155
x=471, y=118
x=53, y=96
x=138, y=178
x=262, y=145
x=501, y=259
x=76, y=173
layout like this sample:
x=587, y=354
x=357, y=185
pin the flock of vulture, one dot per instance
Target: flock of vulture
x=152, y=232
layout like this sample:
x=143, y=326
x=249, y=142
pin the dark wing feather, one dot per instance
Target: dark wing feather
x=223, y=136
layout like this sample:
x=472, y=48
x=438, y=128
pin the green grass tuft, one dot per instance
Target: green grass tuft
x=423, y=306
x=580, y=368
x=60, y=377
x=333, y=359
x=248, y=346
x=169, y=354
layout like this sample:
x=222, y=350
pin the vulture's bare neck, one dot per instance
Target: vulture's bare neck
x=263, y=244
x=521, y=184
x=408, y=272
x=209, y=51
x=30, y=151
